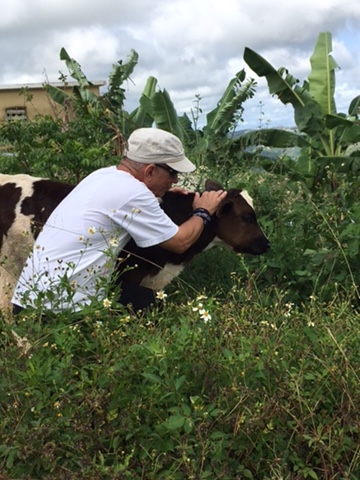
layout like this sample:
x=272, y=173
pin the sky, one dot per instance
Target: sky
x=193, y=47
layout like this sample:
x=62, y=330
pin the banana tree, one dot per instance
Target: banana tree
x=215, y=138
x=323, y=134
x=82, y=97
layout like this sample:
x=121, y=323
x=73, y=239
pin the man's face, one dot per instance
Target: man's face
x=160, y=179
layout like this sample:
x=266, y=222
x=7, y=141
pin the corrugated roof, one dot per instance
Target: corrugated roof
x=18, y=86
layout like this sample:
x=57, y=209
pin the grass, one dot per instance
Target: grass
x=205, y=389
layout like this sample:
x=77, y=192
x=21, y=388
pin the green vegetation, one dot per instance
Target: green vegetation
x=251, y=369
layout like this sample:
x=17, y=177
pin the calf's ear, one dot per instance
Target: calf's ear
x=212, y=185
x=224, y=207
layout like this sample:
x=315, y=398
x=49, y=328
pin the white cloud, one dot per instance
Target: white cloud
x=191, y=46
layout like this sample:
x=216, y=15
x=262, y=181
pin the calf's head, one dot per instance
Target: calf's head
x=236, y=223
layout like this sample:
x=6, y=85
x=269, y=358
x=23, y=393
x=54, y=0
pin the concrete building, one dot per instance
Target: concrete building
x=26, y=101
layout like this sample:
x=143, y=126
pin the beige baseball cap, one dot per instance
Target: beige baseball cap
x=153, y=145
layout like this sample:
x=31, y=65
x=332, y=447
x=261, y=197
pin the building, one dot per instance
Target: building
x=26, y=101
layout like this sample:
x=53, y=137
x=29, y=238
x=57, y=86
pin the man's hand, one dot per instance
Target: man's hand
x=209, y=200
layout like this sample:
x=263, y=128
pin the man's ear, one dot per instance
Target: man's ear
x=212, y=185
x=149, y=170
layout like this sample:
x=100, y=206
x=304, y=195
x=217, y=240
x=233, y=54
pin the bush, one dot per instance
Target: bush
x=314, y=240
x=207, y=389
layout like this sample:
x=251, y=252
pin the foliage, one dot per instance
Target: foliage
x=324, y=135
x=49, y=148
x=255, y=375
x=201, y=390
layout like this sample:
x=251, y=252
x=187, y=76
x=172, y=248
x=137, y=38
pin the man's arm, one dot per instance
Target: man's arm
x=191, y=230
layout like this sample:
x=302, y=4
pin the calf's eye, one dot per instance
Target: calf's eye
x=248, y=218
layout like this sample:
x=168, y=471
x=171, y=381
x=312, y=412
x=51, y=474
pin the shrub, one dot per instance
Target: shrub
x=205, y=389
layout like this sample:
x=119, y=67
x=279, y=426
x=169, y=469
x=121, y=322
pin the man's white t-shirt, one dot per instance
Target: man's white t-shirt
x=77, y=247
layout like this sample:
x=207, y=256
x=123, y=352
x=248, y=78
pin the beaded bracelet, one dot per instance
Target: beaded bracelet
x=202, y=213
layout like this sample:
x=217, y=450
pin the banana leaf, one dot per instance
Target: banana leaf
x=164, y=113
x=142, y=116
x=222, y=118
x=273, y=137
x=286, y=87
x=82, y=91
x=56, y=94
x=280, y=83
x=322, y=75
x=354, y=107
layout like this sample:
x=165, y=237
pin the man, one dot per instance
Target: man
x=74, y=255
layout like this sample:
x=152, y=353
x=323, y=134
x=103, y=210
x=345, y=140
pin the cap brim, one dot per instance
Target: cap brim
x=184, y=166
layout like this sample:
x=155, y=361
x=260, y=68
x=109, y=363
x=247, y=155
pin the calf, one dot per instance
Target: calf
x=234, y=224
x=26, y=203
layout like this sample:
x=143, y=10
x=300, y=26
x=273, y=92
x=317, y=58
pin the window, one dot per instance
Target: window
x=15, y=113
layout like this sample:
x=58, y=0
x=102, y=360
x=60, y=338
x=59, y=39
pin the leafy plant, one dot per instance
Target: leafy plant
x=323, y=134
x=261, y=391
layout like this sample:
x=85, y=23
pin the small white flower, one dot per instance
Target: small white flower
x=114, y=242
x=135, y=210
x=106, y=303
x=201, y=297
x=205, y=315
x=198, y=308
x=311, y=323
x=161, y=295
x=91, y=230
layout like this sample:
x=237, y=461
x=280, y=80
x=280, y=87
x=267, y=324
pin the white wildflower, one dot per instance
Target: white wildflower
x=91, y=230
x=199, y=307
x=205, y=315
x=201, y=297
x=161, y=295
x=114, y=242
x=106, y=303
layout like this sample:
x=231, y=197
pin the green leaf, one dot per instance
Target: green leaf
x=354, y=107
x=222, y=118
x=279, y=81
x=175, y=422
x=56, y=94
x=151, y=376
x=165, y=115
x=74, y=68
x=322, y=76
x=179, y=382
x=143, y=116
x=278, y=138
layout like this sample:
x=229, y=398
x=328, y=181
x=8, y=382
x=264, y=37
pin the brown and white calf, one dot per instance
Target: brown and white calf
x=26, y=203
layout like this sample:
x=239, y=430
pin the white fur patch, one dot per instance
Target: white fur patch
x=163, y=278
x=247, y=198
x=171, y=271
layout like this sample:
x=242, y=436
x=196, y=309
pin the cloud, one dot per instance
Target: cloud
x=193, y=47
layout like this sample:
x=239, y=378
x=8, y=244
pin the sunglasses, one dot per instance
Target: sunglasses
x=171, y=171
